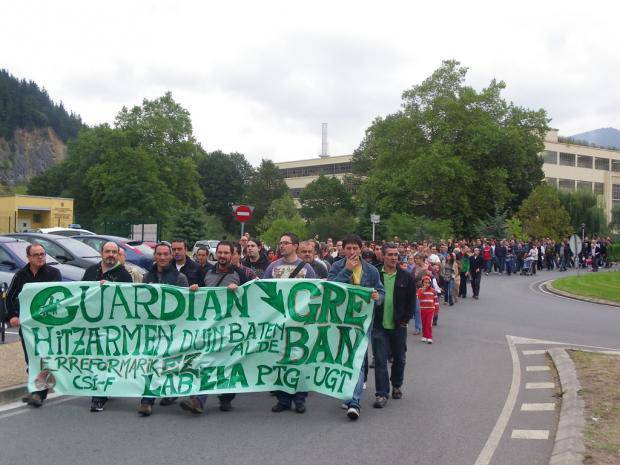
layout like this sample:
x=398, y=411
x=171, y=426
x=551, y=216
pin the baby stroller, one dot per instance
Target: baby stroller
x=528, y=267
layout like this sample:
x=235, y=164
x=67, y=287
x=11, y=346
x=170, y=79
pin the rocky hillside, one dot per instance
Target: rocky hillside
x=28, y=153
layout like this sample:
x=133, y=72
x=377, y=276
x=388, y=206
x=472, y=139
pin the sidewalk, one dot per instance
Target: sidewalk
x=13, y=374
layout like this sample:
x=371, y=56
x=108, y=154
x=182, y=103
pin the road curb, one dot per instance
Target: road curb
x=549, y=287
x=13, y=393
x=569, y=448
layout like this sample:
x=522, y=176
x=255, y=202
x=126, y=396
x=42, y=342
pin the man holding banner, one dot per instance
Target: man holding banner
x=36, y=271
x=353, y=270
x=289, y=266
x=108, y=269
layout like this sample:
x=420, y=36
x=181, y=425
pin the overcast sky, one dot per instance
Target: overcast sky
x=259, y=77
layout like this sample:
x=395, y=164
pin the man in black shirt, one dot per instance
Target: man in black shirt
x=36, y=271
x=108, y=269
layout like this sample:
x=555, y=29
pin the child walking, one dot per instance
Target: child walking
x=429, y=304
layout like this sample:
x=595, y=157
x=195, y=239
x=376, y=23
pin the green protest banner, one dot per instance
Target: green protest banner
x=134, y=340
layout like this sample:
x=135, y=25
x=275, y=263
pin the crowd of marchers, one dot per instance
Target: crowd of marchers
x=409, y=281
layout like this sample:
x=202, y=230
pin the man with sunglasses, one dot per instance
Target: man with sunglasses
x=36, y=271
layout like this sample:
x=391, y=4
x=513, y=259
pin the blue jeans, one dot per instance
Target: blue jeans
x=385, y=342
x=502, y=264
x=448, y=287
x=359, y=387
x=488, y=265
x=223, y=397
x=416, y=316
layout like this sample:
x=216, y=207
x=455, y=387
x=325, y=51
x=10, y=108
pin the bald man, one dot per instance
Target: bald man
x=109, y=269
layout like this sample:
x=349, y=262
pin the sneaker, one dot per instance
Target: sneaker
x=192, y=404
x=364, y=386
x=165, y=401
x=225, y=406
x=429, y=341
x=344, y=406
x=397, y=393
x=353, y=413
x=300, y=407
x=424, y=339
x=279, y=408
x=380, y=402
x=96, y=405
x=145, y=410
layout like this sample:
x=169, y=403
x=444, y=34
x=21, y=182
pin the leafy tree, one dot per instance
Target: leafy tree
x=190, y=225
x=414, y=228
x=282, y=216
x=615, y=217
x=542, y=214
x=223, y=179
x=267, y=184
x=584, y=206
x=335, y=224
x=324, y=195
x=514, y=229
x=451, y=152
x=493, y=225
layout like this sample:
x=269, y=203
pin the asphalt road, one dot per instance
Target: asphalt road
x=461, y=405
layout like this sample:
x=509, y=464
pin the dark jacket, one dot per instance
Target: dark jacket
x=370, y=276
x=194, y=272
x=259, y=266
x=24, y=276
x=169, y=275
x=404, y=299
x=476, y=264
x=118, y=274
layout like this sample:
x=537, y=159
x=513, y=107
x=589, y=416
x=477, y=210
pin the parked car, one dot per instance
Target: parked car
x=137, y=252
x=13, y=257
x=68, y=232
x=209, y=244
x=64, y=249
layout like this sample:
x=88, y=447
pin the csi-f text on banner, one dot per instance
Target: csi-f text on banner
x=129, y=340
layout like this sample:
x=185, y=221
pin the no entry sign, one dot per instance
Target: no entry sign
x=242, y=212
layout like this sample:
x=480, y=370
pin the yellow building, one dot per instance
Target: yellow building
x=26, y=212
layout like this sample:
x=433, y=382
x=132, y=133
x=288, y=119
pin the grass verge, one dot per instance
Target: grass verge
x=598, y=285
x=600, y=389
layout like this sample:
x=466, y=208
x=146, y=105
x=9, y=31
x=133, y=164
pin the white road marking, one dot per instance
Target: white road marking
x=544, y=407
x=484, y=458
x=537, y=368
x=539, y=385
x=527, y=340
x=534, y=352
x=530, y=434
x=540, y=285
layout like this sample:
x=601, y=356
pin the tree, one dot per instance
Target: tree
x=583, y=206
x=615, y=217
x=267, y=184
x=335, y=224
x=223, y=179
x=324, y=195
x=414, y=228
x=190, y=225
x=282, y=216
x=542, y=214
x=451, y=152
x=493, y=225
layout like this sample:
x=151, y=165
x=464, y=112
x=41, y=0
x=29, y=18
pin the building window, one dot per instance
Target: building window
x=295, y=192
x=601, y=163
x=343, y=167
x=599, y=188
x=585, y=185
x=36, y=218
x=584, y=161
x=327, y=169
x=566, y=184
x=567, y=159
x=615, y=193
x=615, y=165
x=550, y=157
x=552, y=181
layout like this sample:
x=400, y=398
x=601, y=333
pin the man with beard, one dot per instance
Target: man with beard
x=192, y=270
x=223, y=274
x=108, y=269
